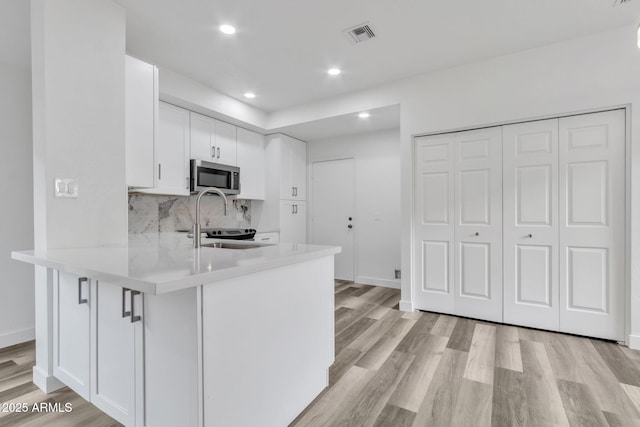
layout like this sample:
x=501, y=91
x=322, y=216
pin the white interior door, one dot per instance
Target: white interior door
x=332, y=219
x=478, y=224
x=530, y=218
x=592, y=228
x=433, y=223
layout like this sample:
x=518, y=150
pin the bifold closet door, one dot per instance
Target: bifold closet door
x=530, y=185
x=433, y=223
x=478, y=224
x=458, y=233
x=592, y=224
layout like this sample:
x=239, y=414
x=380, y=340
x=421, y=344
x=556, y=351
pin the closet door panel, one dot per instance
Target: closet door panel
x=592, y=226
x=478, y=224
x=530, y=172
x=434, y=228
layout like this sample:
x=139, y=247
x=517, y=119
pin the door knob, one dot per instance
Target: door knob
x=529, y=235
x=349, y=226
x=350, y=219
x=476, y=234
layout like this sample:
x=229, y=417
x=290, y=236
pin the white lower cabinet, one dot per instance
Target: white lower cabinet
x=293, y=221
x=110, y=346
x=117, y=351
x=71, y=325
x=525, y=224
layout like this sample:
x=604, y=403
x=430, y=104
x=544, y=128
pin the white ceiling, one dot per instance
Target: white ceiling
x=348, y=124
x=283, y=47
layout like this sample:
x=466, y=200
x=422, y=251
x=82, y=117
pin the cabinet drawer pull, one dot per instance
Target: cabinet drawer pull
x=80, y=299
x=213, y=151
x=134, y=317
x=293, y=191
x=124, y=303
x=159, y=171
x=218, y=149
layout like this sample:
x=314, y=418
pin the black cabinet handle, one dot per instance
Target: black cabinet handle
x=134, y=318
x=124, y=303
x=80, y=299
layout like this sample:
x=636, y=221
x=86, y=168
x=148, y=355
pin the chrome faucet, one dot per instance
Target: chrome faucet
x=196, y=227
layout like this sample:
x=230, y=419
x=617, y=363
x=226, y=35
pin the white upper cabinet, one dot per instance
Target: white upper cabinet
x=212, y=140
x=172, y=151
x=251, y=160
x=226, y=144
x=293, y=168
x=202, y=138
x=141, y=107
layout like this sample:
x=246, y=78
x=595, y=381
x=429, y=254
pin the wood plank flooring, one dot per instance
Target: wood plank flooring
x=425, y=369
x=396, y=369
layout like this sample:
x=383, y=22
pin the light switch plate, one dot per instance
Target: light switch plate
x=65, y=187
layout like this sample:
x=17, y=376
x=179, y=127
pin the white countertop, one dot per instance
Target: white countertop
x=158, y=263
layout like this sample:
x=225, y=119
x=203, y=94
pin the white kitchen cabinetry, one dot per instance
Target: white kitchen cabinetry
x=71, y=326
x=293, y=221
x=272, y=237
x=172, y=151
x=285, y=189
x=141, y=83
x=213, y=140
x=536, y=238
x=251, y=160
x=226, y=144
x=110, y=347
x=293, y=168
x=117, y=351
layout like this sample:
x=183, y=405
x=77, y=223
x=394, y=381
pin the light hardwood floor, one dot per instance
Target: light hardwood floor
x=397, y=369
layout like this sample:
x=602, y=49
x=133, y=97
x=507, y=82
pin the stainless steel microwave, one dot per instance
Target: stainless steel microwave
x=207, y=174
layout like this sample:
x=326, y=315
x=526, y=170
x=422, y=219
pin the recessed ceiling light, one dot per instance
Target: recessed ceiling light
x=227, y=29
x=363, y=115
x=250, y=95
x=334, y=71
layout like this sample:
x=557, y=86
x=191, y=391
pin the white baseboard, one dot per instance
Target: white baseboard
x=634, y=342
x=46, y=383
x=406, y=306
x=394, y=284
x=16, y=337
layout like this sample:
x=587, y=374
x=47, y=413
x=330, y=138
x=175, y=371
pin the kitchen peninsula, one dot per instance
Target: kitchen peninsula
x=157, y=333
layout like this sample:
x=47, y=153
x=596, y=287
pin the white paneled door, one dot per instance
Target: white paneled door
x=458, y=237
x=478, y=224
x=433, y=223
x=332, y=219
x=530, y=172
x=592, y=224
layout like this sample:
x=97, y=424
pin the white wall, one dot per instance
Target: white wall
x=582, y=74
x=78, y=82
x=377, y=194
x=78, y=53
x=16, y=216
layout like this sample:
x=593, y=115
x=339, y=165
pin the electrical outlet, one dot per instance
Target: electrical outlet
x=397, y=273
x=65, y=187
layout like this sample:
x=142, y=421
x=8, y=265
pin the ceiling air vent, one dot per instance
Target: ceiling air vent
x=361, y=33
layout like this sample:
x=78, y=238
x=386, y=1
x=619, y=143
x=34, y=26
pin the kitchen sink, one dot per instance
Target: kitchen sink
x=225, y=245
